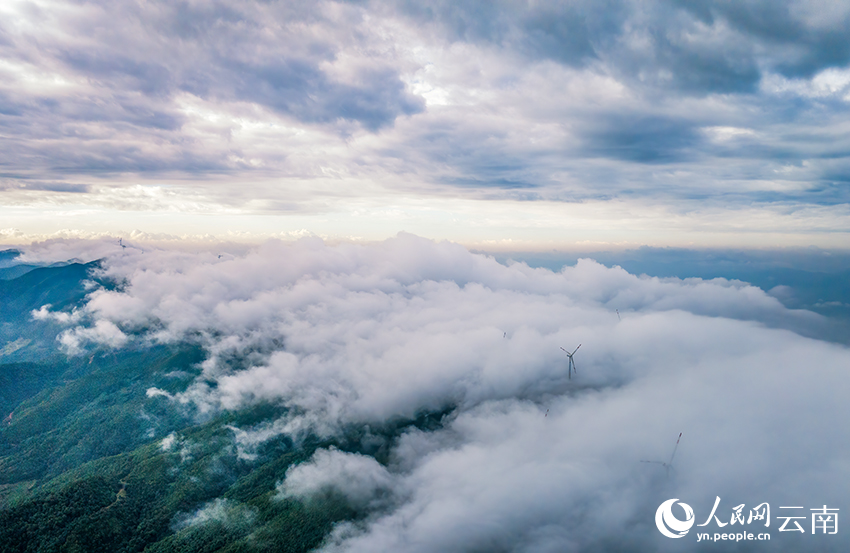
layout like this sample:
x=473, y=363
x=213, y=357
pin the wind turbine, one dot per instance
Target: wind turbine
x=669, y=465
x=125, y=246
x=571, y=365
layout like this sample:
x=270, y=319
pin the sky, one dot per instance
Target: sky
x=527, y=459
x=499, y=125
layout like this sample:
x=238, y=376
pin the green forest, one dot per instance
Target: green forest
x=83, y=462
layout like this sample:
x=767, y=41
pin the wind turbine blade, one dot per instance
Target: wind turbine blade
x=574, y=366
x=675, y=448
x=575, y=350
x=565, y=351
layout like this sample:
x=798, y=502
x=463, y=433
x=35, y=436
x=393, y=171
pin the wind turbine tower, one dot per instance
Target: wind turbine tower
x=571, y=364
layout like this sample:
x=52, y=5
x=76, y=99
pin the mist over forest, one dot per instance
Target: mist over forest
x=405, y=395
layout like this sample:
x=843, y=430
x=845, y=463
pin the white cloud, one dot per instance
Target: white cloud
x=45, y=314
x=359, y=478
x=829, y=82
x=356, y=335
x=168, y=442
x=102, y=332
x=231, y=514
x=366, y=332
x=754, y=409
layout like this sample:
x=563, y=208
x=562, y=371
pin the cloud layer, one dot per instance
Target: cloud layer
x=280, y=107
x=527, y=459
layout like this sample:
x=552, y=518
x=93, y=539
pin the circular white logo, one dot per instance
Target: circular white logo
x=668, y=524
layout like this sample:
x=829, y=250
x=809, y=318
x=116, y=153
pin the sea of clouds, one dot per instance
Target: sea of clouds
x=528, y=459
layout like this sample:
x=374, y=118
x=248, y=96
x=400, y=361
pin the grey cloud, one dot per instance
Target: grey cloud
x=191, y=20
x=809, y=49
x=120, y=158
x=701, y=47
x=577, y=33
x=561, y=31
x=575, y=100
x=300, y=89
x=257, y=62
x=642, y=139
x=493, y=182
x=603, y=149
x=9, y=106
x=121, y=71
x=682, y=56
x=687, y=54
x=822, y=193
x=704, y=68
x=50, y=186
x=476, y=20
x=558, y=31
x=5, y=39
x=481, y=151
x=137, y=58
